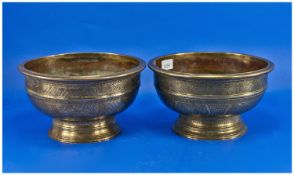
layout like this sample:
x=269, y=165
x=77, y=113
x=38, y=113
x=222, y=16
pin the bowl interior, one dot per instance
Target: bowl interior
x=82, y=64
x=211, y=63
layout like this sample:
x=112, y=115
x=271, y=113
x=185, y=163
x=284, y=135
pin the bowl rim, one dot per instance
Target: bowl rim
x=267, y=69
x=45, y=76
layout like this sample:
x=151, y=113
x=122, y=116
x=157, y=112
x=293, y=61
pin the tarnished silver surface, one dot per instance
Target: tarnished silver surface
x=83, y=92
x=210, y=91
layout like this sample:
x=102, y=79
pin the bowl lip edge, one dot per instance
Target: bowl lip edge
x=140, y=67
x=265, y=70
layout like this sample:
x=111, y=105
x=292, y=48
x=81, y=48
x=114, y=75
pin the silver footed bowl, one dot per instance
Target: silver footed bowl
x=82, y=92
x=210, y=91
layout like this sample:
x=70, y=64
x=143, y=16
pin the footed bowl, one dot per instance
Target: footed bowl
x=210, y=90
x=83, y=92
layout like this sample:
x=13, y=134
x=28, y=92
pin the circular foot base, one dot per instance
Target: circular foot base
x=204, y=127
x=99, y=129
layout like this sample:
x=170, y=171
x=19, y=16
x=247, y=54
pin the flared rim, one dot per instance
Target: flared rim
x=152, y=65
x=46, y=76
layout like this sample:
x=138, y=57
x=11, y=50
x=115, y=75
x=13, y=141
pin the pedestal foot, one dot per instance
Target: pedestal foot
x=220, y=127
x=82, y=131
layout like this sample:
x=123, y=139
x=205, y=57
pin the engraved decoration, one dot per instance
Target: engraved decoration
x=83, y=92
x=210, y=91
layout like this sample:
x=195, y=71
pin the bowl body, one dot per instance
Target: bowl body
x=210, y=97
x=75, y=100
x=210, y=87
x=82, y=91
